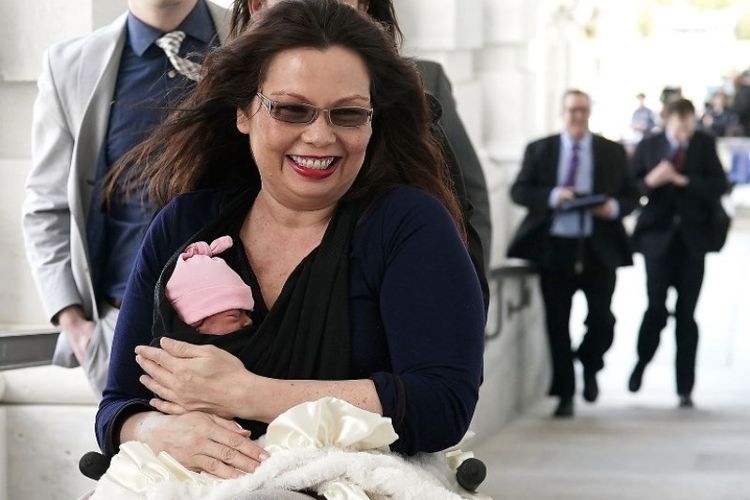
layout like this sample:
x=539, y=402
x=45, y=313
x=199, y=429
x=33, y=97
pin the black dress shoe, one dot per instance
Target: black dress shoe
x=564, y=408
x=686, y=401
x=634, y=384
x=590, y=387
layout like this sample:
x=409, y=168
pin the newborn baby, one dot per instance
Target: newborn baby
x=206, y=293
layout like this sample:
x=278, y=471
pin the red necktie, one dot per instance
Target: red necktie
x=679, y=159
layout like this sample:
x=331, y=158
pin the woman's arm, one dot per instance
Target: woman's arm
x=431, y=308
x=189, y=377
x=124, y=395
x=199, y=441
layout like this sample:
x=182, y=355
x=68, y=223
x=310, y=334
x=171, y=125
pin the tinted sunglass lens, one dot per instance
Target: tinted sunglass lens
x=349, y=117
x=293, y=113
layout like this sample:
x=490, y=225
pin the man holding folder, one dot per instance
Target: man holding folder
x=577, y=188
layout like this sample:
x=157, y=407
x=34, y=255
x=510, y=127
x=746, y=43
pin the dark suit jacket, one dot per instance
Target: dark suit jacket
x=537, y=178
x=436, y=83
x=671, y=209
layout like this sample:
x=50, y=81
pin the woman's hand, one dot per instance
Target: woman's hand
x=187, y=377
x=200, y=442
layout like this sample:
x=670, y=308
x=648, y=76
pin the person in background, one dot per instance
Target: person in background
x=338, y=199
x=741, y=101
x=643, y=120
x=681, y=176
x=466, y=170
x=575, y=249
x=719, y=119
x=99, y=95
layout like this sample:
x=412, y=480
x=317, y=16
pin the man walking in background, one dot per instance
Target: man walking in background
x=683, y=179
x=98, y=96
x=575, y=248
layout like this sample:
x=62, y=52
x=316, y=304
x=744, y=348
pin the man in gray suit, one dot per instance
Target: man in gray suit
x=98, y=96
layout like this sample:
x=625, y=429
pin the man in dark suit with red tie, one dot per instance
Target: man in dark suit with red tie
x=575, y=249
x=682, y=177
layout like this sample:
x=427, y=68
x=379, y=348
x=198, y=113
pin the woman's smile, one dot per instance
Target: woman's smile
x=314, y=167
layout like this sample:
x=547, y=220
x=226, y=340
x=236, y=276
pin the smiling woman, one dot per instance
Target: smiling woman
x=312, y=163
x=314, y=137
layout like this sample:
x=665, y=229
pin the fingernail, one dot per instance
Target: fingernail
x=166, y=341
x=138, y=359
x=264, y=456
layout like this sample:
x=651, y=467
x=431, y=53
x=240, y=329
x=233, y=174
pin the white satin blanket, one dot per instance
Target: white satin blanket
x=328, y=446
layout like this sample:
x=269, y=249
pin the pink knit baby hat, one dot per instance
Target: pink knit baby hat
x=202, y=285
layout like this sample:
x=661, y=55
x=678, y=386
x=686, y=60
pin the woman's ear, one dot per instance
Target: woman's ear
x=364, y=5
x=243, y=121
x=254, y=5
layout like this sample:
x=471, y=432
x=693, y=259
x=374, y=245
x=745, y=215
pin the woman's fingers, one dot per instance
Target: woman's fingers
x=235, y=450
x=238, y=441
x=181, y=349
x=152, y=368
x=167, y=407
x=158, y=389
x=232, y=426
x=216, y=467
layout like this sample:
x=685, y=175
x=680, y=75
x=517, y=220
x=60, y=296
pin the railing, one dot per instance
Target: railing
x=506, y=309
x=26, y=348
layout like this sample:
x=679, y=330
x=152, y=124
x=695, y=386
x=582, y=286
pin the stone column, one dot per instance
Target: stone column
x=509, y=63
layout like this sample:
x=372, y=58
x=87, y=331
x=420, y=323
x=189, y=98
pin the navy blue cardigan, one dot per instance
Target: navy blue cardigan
x=417, y=316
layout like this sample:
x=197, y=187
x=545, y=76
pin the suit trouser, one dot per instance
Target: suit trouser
x=683, y=270
x=559, y=282
x=100, y=347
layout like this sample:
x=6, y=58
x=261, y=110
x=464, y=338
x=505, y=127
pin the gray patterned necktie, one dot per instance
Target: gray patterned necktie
x=170, y=44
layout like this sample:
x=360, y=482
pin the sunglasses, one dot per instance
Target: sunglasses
x=344, y=116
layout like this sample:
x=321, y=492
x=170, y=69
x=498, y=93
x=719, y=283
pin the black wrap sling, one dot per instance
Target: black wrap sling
x=306, y=333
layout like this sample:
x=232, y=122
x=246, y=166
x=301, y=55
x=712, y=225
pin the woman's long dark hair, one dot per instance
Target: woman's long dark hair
x=199, y=144
x=381, y=11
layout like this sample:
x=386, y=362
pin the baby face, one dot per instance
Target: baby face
x=224, y=322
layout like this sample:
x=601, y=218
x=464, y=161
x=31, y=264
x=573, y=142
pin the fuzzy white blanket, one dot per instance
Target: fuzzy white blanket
x=327, y=446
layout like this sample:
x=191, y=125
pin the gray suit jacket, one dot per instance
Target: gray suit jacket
x=436, y=83
x=70, y=119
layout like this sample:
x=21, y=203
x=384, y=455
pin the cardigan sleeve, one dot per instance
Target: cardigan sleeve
x=432, y=313
x=124, y=394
